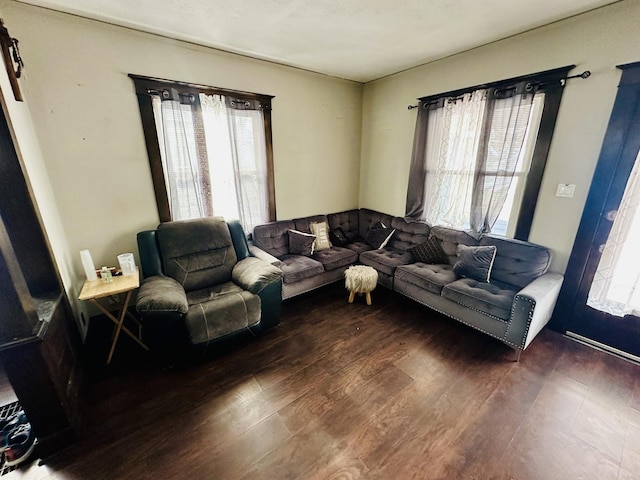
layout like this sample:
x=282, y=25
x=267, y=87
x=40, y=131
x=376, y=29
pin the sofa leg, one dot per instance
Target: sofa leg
x=518, y=353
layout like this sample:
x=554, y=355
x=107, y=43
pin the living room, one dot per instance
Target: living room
x=338, y=144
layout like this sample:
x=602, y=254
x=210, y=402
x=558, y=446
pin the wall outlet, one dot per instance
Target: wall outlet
x=566, y=190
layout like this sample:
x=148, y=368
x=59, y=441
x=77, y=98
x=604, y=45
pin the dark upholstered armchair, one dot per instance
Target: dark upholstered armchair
x=201, y=284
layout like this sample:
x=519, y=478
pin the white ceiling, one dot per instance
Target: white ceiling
x=360, y=40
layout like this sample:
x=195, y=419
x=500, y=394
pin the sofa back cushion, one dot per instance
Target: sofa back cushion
x=348, y=221
x=408, y=234
x=450, y=238
x=273, y=237
x=197, y=253
x=368, y=218
x=303, y=224
x=517, y=263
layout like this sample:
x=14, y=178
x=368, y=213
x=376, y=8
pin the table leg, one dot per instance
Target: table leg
x=120, y=324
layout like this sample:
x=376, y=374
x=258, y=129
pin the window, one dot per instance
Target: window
x=479, y=154
x=209, y=150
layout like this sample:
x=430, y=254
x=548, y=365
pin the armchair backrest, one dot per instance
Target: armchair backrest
x=149, y=252
x=197, y=253
x=152, y=260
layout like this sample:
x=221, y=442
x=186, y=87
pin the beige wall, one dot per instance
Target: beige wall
x=87, y=121
x=82, y=142
x=597, y=41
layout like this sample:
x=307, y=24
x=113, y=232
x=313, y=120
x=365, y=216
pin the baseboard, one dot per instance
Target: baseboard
x=602, y=347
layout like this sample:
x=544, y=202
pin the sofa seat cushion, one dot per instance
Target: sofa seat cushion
x=297, y=267
x=428, y=276
x=335, y=257
x=493, y=299
x=220, y=310
x=385, y=260
x=359, y=246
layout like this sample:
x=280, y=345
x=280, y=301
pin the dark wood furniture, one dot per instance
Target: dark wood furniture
x=39, y=342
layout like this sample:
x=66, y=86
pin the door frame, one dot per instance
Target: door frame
x=607, y=188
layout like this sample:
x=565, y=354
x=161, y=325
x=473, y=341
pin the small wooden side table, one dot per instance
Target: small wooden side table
x=93, y=290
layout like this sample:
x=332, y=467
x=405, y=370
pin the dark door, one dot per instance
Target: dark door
x=617, y=158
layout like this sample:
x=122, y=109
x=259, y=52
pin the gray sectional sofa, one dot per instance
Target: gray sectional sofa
x=513, y=306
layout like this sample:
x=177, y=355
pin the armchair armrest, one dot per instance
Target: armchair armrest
x=161, y=294
x=254, y=274
x=532, y=308
x=264, y=256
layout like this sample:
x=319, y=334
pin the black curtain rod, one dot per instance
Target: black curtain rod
x=583, y=75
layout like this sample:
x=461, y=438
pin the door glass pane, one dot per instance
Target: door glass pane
x=615, y=287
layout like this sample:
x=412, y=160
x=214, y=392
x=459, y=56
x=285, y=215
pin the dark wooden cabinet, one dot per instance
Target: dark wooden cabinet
x=39, y=342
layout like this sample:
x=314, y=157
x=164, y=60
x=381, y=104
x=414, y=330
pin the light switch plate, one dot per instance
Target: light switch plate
x=566, y=190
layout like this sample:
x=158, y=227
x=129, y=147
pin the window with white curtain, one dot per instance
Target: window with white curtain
x=209, y=150
x=479, y=154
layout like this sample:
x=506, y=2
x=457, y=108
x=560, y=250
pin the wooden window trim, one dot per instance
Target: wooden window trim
x=145, y=85
x=551, y=82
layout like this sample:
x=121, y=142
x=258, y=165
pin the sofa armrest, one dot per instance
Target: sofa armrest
x=532, y=308
x=161, y=294
x=264, y=256
x=254, y=274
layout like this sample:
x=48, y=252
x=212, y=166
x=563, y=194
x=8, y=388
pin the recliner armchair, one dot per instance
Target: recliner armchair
x=201, y=284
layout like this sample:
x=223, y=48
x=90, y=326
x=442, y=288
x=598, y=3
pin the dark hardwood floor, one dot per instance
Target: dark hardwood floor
x=340, y=391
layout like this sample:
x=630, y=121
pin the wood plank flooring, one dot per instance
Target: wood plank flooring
x=350, y=391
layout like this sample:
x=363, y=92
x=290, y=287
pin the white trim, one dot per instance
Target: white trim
x=601, y=346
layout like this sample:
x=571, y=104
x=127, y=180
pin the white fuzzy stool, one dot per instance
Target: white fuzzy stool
x=360, y=279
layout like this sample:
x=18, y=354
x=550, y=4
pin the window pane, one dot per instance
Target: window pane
x=237, y=156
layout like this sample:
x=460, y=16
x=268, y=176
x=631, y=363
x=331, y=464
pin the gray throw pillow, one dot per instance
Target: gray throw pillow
x=475, y=262
x=301, y=243
x=429, y=252
x=338, y=237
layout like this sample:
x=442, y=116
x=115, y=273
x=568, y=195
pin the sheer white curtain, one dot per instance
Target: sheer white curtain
x=616, y=285
x=183, y=175
x=507, y=122
x=218, y=141
x=249, y=156
x=453, y=136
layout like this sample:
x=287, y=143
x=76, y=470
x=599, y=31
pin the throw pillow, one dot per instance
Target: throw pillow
x=379, y=235
x=321, y=231
x=338, y=237
x=429, y=252
x=301, y=243
x=475, y=262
